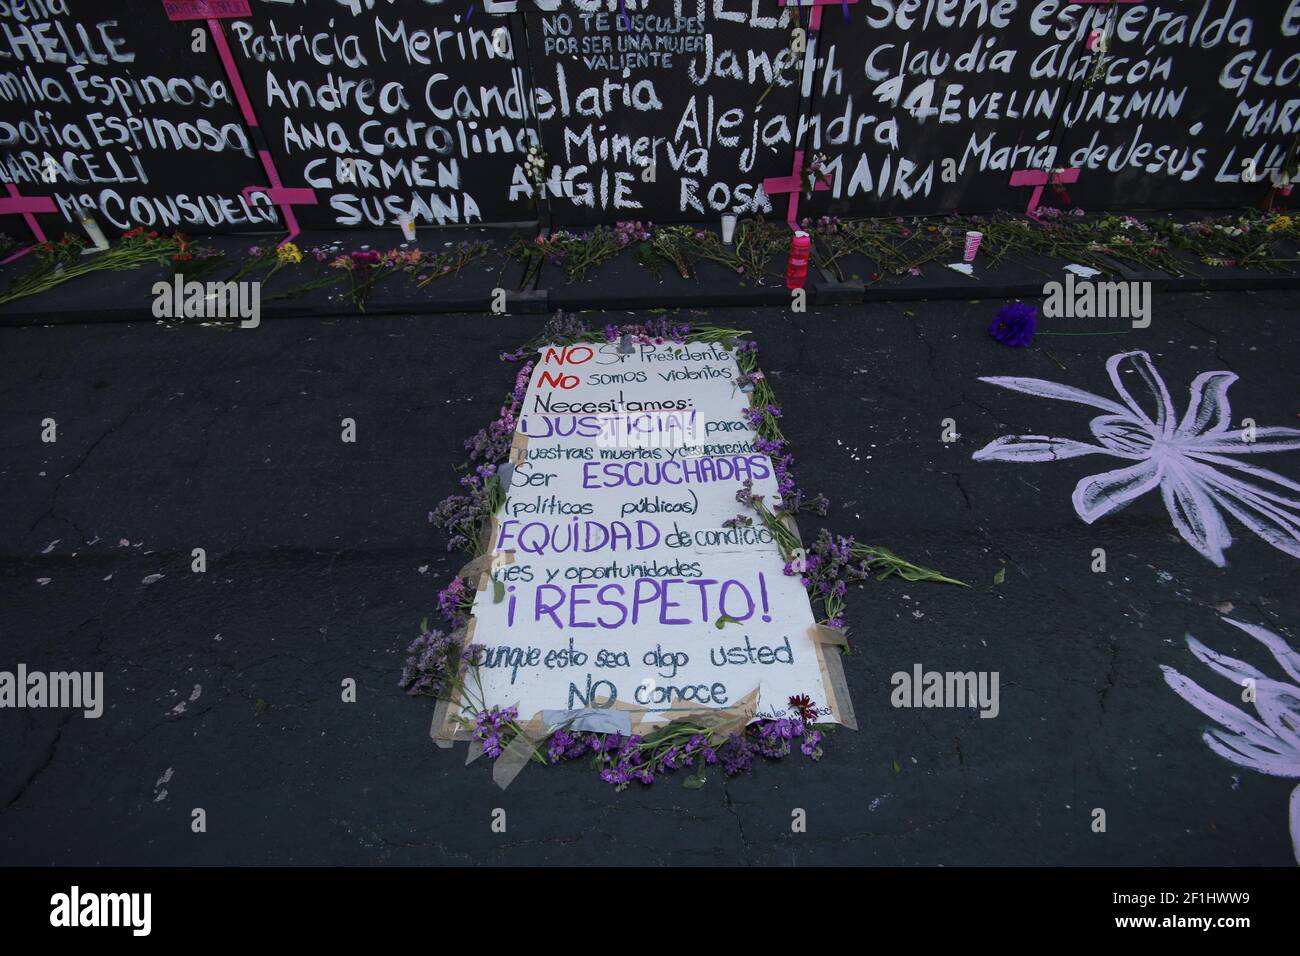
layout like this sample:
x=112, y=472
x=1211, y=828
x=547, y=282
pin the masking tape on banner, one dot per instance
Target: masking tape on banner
x=474, y=567
x=443, y=730
x=487, y=563
x=489, y=535
x=518, y=449
x=517, y=754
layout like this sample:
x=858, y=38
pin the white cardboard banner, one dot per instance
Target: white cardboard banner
x=621, y=567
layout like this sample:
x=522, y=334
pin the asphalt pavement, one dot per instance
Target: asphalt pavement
x=223, y=688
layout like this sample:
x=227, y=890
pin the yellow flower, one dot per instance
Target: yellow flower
x=289, y=253
x=1280, y=224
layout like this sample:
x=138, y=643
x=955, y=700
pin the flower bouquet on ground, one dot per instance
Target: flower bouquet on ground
x=667, y=246
x=577, y=253
x=62, y=261
x=757, y=242
x=898, y=246
x=264, y=262
x=449, y=262
x=365, y=268
x=1226, y=241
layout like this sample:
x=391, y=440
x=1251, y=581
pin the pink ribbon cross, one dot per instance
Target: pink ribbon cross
x=1038, y=179
x=27, y=207
x=792, y=184
x=815, y=17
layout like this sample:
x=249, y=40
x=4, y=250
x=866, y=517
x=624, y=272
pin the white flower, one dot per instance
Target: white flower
x=1269, y=745
x=1190, y=460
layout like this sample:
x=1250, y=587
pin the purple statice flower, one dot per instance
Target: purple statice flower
x=434, y=663
x=627, y=232
x=450, y=598
x=811, y=746
x=1014, y=324
x=461, y=515
x=737, y=755
x=563, y=330
x=565, y=745
x=746, y=494
x=515, y=356
x=493, y=728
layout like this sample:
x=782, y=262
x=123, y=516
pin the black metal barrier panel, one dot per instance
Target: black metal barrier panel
x=267, y=115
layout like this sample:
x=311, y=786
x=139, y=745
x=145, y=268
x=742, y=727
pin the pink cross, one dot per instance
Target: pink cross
x=285, y=197
x=205, y=9
x=26, y=206
x=815, y=18
x=793, y=184
x=1038, y=179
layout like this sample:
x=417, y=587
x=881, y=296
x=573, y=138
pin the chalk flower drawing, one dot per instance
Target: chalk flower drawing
x=1189, y=459
x=1269, y=745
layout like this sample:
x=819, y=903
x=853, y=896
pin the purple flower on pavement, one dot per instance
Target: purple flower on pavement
x=1014, y=324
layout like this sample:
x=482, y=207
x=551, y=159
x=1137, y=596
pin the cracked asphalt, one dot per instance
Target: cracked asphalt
x=223, y=688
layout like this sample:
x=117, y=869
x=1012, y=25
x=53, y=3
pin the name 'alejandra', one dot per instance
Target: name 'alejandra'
x=545, y=402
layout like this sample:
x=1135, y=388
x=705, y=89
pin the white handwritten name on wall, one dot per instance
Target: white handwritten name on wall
x=678, y=113
x=392, y=109
x=1162, y=92
x=110, y=110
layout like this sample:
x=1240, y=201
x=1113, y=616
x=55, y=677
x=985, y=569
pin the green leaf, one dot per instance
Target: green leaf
x=1000, y=576
x=697, y=779
x=424, y=625
x=897, y=767
x=498, y=591
x=723, y=620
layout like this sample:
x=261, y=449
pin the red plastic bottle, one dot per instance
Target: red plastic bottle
x=796, y=269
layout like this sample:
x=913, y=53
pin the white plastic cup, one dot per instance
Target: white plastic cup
x=728, y=227
x=407, y=222
x=972, y=245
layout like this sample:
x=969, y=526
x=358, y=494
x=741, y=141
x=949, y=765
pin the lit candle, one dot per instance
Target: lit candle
x=96, y=234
